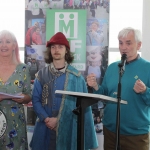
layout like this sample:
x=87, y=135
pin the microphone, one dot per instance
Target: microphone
x=123, y=61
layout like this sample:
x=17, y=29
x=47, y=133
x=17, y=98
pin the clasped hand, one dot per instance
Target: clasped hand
x=51, y=123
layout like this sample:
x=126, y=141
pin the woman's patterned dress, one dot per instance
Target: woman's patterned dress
x=15, y=137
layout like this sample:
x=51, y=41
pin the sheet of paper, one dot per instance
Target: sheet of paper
x=10, y=96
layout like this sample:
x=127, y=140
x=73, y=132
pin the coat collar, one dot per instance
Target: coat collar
x=72, y=70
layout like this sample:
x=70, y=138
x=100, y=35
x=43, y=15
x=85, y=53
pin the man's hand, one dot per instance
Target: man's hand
x=51, y=123
x=91, y=81
x=139, y=86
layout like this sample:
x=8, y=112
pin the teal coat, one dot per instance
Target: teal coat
x=66, y=132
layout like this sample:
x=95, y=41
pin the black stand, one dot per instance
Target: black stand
x=121, y=71
x=82, y=103
x=84, y=100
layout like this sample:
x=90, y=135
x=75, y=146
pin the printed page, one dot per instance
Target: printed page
x=10, y=96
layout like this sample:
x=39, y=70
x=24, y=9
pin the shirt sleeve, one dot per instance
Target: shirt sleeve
x=146, y=96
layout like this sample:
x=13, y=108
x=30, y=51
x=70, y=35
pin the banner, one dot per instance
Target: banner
x=85, y=23
x=72, y=23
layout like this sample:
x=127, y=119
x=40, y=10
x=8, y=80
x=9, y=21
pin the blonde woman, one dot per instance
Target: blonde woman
x=14, y=79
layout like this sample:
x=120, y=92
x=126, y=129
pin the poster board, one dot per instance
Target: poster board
x=93, y=57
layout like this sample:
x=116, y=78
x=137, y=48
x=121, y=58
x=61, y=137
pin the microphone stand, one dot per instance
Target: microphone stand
x=121, y=71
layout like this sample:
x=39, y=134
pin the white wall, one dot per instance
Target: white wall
x=12, y=14
x=145, y=50
x=123, y=13
x=146, y=30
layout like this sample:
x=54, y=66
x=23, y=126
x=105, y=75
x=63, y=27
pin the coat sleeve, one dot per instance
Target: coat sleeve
x=37, y=101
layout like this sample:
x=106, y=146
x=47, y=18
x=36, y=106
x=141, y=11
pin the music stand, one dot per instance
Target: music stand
x=84, y=100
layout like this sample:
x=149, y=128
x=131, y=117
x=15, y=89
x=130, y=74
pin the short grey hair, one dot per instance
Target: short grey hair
x=137, y=33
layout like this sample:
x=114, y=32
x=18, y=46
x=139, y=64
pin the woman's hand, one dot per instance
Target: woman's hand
x=26, y=99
